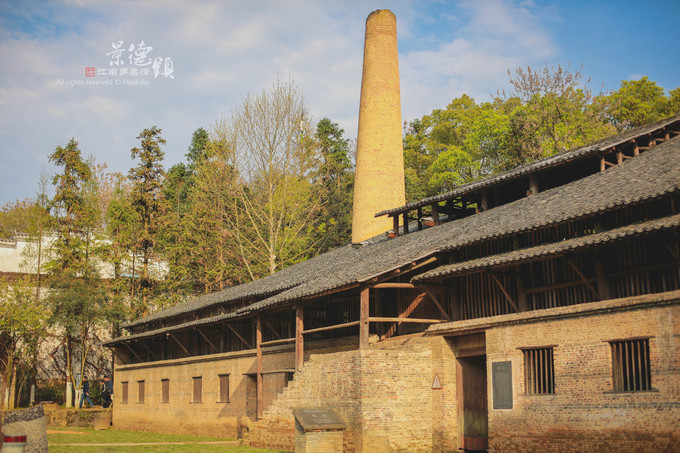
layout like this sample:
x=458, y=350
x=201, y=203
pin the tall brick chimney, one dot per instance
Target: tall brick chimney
x=379, y=180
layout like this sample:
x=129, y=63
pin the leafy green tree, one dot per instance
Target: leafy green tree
x=269, y=143
x=147, y=201
x=15, y=217
x=198, y=148
x=556, y=114
x=180, y=178
x=79, y=305
x=69, y=209
x=123, y=226
x=335, y=176
x=23, y=322
x=453, y=146
x=638, y=102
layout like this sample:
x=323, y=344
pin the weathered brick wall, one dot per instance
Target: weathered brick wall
x=384, y=394
x=180, y=414
x=584, y=414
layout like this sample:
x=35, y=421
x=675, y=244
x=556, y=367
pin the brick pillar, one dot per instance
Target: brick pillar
x=379, y=180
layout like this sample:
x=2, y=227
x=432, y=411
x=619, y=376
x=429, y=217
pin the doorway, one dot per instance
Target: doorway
x=471, y=392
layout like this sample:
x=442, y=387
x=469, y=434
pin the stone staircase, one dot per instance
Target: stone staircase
x=327, y=380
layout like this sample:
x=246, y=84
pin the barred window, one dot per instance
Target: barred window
x=140, y=394
x=539, y=371
x=124, y=396
x=224, y=388
x=198, y=389
x=165, y=390
x=630, y=365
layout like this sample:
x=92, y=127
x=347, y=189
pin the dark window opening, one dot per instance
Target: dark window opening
x=539, y=371
x=198, y=390
x=630, y=365
x=140, y=393
x=224, y=388
x=124, y=396
x=165, y=390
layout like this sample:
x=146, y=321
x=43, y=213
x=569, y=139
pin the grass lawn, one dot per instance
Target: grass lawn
x=62, y=440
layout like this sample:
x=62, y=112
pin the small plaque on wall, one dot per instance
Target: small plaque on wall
x=501, y=376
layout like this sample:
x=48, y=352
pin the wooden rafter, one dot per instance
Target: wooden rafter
x=405, y=320
x=333, y=327
x=153, y=354
x=584, y=279
x=405, y=314
x=436, y=302
x=239, y=336
x=388, y=285
x=200, y=332
x=180, y=344
x=506, y=293
x=133, y=352
x=276, y=333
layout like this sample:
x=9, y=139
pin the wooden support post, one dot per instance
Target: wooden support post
x=299, y=340
x=395, y=224
x=406, y=222
x=258, y=345
x=522, y=302
x=363, y=318
x=602, y=164
x=533, y=184
x=485, y=201
x=420, y=219
x=379, y=328
x=602, y=281
x=456, y=306
x=435, y=213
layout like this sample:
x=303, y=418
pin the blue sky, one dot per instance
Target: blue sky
x=220, y=51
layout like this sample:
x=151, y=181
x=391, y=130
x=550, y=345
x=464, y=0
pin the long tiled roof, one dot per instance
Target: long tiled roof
x=539, y=165
x=649, y=175
x=263, y=287
x=552, y=249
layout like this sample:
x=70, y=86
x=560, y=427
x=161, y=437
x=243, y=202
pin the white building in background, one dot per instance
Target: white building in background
x=17, y=255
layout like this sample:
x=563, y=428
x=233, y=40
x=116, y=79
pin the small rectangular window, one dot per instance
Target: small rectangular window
x=165, y=390
x=539, y=371
x=224, y=388
x=140, y=394
x=198, y=389
x=124, y=396
x=630, y=365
